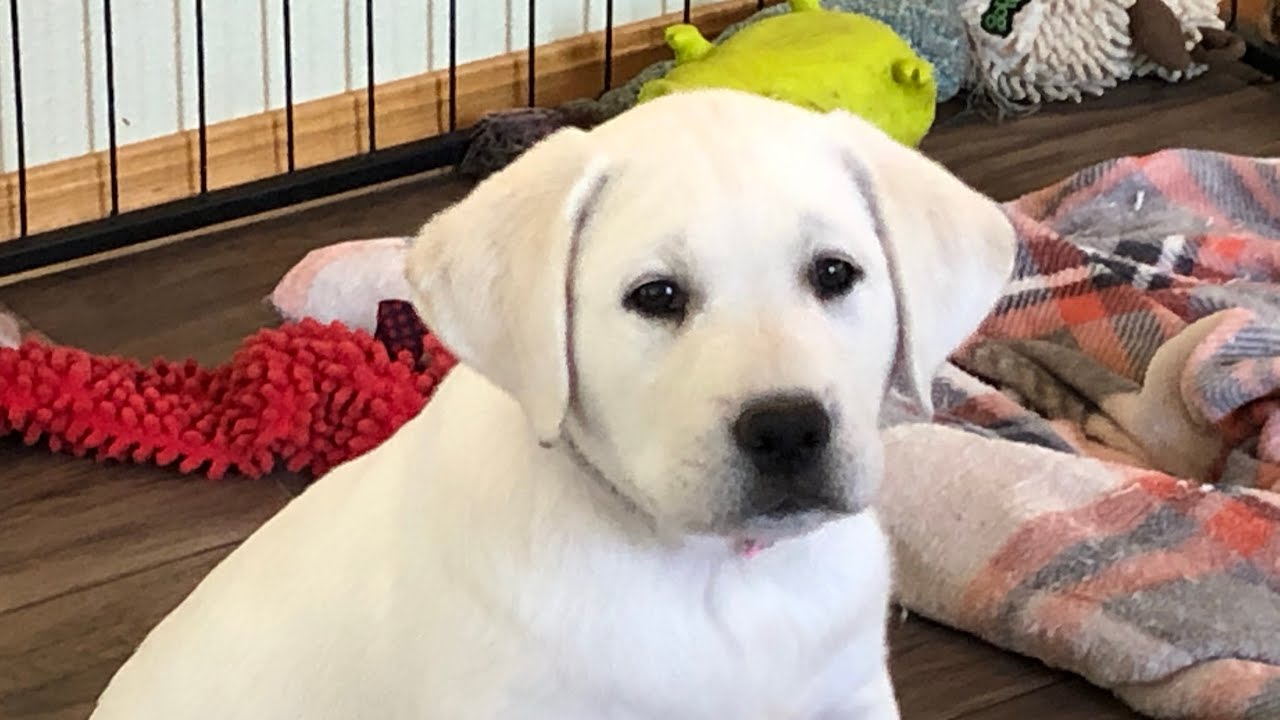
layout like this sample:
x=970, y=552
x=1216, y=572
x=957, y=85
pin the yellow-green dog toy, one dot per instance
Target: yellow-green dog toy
x=818, y=59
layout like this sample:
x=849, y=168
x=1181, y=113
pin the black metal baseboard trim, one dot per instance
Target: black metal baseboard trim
x=234, y=203
x=1264, y=58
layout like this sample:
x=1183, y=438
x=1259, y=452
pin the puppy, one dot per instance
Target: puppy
x=647, y=490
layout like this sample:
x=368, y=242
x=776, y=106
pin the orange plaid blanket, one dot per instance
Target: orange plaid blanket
x=1118, y=513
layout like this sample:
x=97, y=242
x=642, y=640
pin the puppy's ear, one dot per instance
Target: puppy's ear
x=950, y=249
x=491, y=274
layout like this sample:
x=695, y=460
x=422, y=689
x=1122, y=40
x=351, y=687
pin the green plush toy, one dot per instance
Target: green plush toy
x=818, y=59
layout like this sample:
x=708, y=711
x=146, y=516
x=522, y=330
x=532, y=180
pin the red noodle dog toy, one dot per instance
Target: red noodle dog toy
x=304, y=396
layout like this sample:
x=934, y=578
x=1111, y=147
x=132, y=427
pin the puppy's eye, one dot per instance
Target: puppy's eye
x=658, y=299
x=832, y=277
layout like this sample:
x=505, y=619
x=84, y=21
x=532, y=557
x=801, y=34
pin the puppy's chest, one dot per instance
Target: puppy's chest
x=716, y=649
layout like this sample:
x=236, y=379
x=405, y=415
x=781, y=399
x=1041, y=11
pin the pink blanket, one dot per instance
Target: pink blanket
x=1099, y=487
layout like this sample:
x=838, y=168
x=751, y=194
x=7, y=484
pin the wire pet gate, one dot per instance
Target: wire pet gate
x=208, y=206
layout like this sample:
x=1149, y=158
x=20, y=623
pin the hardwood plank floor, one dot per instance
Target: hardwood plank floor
x=106, y=522
x=1229, y=110
x=91, y=556
x=943, y=674
x=57, y=655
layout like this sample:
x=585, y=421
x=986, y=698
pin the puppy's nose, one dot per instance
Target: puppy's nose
x=783, y=435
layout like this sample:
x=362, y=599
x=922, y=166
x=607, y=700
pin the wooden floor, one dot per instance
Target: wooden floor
x=92, y=556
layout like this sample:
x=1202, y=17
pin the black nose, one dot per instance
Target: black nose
x=783, y=435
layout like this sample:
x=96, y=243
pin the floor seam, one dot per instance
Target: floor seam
x=1006, y=701
x=121, y=576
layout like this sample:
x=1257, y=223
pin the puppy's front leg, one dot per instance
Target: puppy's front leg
x=874, y=701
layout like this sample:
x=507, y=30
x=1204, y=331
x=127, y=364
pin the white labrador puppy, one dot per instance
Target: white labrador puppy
x=646, y=492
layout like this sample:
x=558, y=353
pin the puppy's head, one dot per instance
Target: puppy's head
x=709, y=297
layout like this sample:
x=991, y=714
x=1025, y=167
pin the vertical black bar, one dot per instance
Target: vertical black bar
x=688, y=10
x=608, y=44
x=1235, y=9
x=533, y=4
x=759, y=4
x=372, y=119
x=112, y=147
x=16, y=34
x=288, y=85
x=453, y=65
x=202, y=112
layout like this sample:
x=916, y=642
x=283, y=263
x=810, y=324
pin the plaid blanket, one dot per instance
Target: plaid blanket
x=1118, y=514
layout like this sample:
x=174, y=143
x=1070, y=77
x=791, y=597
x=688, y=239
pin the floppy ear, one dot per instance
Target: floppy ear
x=950, y=249
x=491, y=275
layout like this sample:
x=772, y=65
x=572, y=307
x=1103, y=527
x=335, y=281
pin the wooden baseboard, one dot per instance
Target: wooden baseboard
x=1257, y=19
x=154, y=171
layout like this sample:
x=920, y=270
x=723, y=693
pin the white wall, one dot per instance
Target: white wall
x=63, y=57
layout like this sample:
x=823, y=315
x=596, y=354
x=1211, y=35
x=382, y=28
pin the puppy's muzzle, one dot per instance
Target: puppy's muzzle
x=786, y=440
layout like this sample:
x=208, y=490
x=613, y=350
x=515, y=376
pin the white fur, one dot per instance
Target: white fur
x=556, y=536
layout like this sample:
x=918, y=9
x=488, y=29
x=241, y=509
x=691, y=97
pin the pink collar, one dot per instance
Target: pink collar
x=749, y=548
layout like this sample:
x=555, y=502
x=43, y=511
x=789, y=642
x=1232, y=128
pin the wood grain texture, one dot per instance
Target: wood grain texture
x=937, y=665
x=336, y=127
x=1069, y=699
x=1231, y=109
x=57, y=656
x=45, y=550
x=91, y=557
x=1256, y=19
